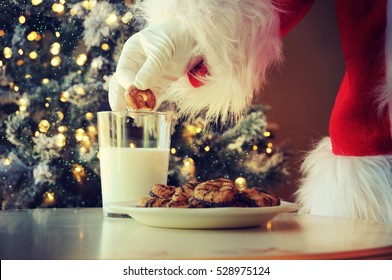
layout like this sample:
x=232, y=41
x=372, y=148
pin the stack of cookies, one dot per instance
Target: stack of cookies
x=220, y=192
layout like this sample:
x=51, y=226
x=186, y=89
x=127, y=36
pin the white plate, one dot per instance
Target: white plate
x=204, y=218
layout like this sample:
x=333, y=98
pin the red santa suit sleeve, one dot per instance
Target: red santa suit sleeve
x=349, y=173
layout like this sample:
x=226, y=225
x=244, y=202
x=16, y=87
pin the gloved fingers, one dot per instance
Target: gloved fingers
x=159, y=50
x=130, y=61
x=116, y=95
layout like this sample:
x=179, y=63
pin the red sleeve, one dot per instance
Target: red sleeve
x=291, y=13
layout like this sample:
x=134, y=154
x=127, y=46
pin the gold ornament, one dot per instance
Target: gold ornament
x=43, y=126
x=241, y=183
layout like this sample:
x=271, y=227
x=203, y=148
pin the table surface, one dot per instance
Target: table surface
x=86, y=234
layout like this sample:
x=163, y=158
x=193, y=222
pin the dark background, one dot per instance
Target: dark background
x=302, y=91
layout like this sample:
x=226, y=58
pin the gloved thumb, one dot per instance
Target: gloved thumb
x=116, y=95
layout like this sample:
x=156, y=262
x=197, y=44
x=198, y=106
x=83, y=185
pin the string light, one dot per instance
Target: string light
x=127, y=17
x=60, y=140
x=57, y=34
x=254, y=148
x=62, y=129
x=173, y=150
x=87, y=4
x=268, y=150
x=23, y=103
x=189, y=167
x=7, y=52
x=78, y=172
x=105, y=47
x=89, y=116
x=22, y=19
x=49, y=198
x=80, y=90
x=7, y=161
x=207, y=148
x=64, y=96
x=111, y=19
x=267, y=134
x=81, y=59
x=45, y=81
x=32, y=36
x=55, y=61
x=58, y=8
x=36, y=2
x=33, y=55
x=20, y=52
x=55, y=48
x=79, y=134
x=20, y=62
x=2, y=33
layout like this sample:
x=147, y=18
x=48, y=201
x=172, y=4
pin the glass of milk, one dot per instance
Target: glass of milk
x=134, y=155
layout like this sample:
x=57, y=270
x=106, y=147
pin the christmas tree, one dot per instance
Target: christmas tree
x=56, y=59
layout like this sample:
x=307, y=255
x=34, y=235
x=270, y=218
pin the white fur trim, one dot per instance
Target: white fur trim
x=343, y=186
x=386, y=91
x=239, y=40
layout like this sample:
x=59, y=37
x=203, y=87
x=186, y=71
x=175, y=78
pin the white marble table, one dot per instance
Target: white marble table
x=86, y=234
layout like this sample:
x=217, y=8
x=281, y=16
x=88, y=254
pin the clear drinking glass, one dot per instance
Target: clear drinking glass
x=134, y=155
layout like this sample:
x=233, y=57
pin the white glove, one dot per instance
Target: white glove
x=152, y=59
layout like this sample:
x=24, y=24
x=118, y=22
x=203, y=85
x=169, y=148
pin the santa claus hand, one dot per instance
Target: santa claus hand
x=152, y=59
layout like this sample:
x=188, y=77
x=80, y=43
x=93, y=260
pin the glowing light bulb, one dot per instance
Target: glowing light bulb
x=79, y=134
x=32, y=36
x=105, y=47
x=64, y=96
x=55, y=48
x=111, y=19
x=60, y=140
x=22, y=19
x=89, y=116
x=81, y=59
x=7, y=161
x=62, y=129
x=58, y=8
x=127, y=17
x=36, y=2
x=7, y=52
x=33, y=55
x=55, y=61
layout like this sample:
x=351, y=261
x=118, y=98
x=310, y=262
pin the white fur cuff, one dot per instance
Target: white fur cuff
x=346, y=186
